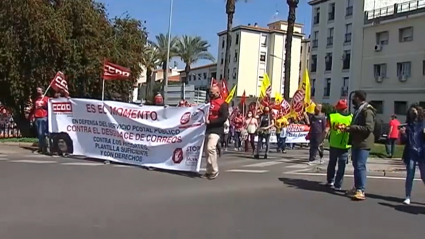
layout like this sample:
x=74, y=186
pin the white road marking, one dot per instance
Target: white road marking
x=33, y=161
x=261, y=165
x=123, y=166
x=82, y=164
x=3, y=155
x=298, y=166
x=350, y=176
x=246, y=171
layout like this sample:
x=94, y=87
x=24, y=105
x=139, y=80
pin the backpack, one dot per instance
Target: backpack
x=377, y=129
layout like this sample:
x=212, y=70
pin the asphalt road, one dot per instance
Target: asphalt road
x=50, y=198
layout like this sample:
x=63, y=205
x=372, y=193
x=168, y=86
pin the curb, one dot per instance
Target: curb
x=19, y=144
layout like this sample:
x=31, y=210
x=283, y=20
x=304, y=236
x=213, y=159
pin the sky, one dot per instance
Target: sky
x=204, y=18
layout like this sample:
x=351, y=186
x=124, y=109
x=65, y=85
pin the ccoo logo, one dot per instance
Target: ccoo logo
x=63, y=107
x=185, y=118
x=178, y=155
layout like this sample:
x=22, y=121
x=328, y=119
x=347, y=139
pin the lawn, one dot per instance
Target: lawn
x=18, y=140
x=379, y=151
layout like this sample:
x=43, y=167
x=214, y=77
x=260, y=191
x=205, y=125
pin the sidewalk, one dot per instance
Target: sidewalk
x=17, y=148
x=376, y=165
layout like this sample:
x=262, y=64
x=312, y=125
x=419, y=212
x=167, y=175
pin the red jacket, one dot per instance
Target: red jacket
x=219, y=112
x=39, y=109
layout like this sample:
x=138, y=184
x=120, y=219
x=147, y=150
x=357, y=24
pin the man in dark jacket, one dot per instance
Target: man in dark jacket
x=317, y=134
x=362, y=140
x=219, y=112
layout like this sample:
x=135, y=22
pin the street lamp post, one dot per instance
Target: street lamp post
x=168, y=52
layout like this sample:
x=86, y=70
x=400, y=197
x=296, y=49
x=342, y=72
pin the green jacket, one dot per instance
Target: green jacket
x=361, y=130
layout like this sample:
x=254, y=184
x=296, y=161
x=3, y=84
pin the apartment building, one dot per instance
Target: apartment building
x=200, y=76
x=256, y=50
x=391, y=65
x=305, y=58
x=336, y=35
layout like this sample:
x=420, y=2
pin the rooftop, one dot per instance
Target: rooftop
x=270, y=28
x=315, y=2
x=201, y=67
x=394, y=11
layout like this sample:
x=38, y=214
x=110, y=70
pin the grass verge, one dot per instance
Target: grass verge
x=379, y=151
x=18, y=140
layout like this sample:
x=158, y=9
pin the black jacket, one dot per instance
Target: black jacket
x=216, y=126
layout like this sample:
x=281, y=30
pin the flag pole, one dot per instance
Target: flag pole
x=103, y=89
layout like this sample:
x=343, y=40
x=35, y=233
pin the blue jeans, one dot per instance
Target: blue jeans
x=238, y=142
x=389, y=146
x=279, y=141
x=410, y=175
x=41, y=126
x=262, y=137
x=340, y=157
x=359, y=158
x=282, y=141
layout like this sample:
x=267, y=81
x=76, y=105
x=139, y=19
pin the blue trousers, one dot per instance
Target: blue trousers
x=410, y=175
x=41, y=126
x=337, y=157
x=359, y=158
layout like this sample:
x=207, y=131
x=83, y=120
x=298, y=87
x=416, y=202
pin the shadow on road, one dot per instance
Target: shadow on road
x=310, y=186
x=411, y=209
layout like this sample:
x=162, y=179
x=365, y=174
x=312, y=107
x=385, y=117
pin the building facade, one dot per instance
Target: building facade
x=336, y=37
x=305, y=59
x=200, y=76
x=256, y=50
x=391, y=68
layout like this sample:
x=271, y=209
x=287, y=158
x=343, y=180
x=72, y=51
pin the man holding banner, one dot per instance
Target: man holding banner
x=219, y=112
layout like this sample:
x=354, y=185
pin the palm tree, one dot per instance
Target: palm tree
x=161, y=45
x=230, y=11
x=192, y=49
x=293, y=4
x=151, y=60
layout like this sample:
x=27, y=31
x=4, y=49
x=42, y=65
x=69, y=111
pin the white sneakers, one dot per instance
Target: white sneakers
x=406, y=201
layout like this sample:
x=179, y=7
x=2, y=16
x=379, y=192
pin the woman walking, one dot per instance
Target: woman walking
x=266, y=122
x=414, y=150
x=225, y=138
x=251, y=125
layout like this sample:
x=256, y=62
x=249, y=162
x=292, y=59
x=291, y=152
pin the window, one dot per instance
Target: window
x=316, y=16
x=330, y=41
x=315, y=39
x=423, y=68
x=205, y=75
x=235, y=59
x=222, y=43
x=313, y=63
x=400, y=107
x=349, y=9
x=222, y=58
x=348, y=32
x=234, y=72
x=406, y=34
x=331, y=16
x=328, y=62
x=237, y=39
x=194, y=77
x=344, y=88
x=380, y=70
x=313, y=87
x=327, y=88
x=346, y=59
x=263, y=40
x=378, y=105
x=382, y=38
x=263, y=57
x=261, y=73
x=404, y=69
x=221, y=76
x=199, y=76
x=214, y=75
x=422, y=104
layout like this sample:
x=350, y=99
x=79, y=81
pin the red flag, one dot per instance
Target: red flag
x=213, y=82
x=224, y=91
x=243, y=99
x=114, y=72
x=59, y=84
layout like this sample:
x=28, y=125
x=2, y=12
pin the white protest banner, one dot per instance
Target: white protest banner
x=295, y=133
x=154, y=136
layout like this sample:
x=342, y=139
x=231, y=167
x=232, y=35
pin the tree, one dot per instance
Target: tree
x=293, y=4
x=230, y=11
x=192, y=49
x=162, y=45
x=150, y=61
x=40, y=38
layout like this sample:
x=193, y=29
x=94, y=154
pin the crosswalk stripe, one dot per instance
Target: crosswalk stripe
x=33, y=161
x=261, y=165
x=82, y=164
x=246, y=171
x=298, y=166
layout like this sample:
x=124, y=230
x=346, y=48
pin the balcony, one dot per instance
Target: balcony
x=349, y=11
x=330, y=41
x=397, y=10
x=331, y=16
x=315, y=43
x=347, y=37
x=316, y=19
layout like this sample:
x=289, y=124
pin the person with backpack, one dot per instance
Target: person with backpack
x=362, y=138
